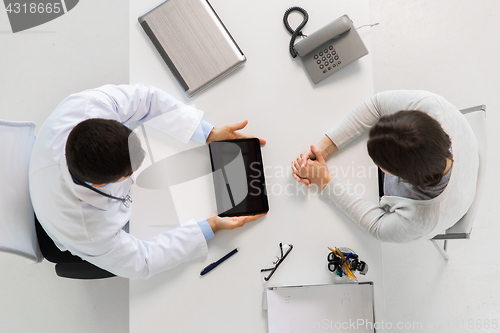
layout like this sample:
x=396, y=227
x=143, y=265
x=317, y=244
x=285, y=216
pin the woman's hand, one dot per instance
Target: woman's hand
x=228, y=223
x=313, y=171
x=229, y=132
x=302, y=160
x=325, y=146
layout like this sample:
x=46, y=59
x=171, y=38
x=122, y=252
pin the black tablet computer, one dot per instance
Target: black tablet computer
x=238, y=173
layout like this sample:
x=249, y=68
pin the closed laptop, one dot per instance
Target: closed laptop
x=193, y=42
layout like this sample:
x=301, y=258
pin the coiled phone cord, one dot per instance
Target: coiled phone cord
x=297, y=32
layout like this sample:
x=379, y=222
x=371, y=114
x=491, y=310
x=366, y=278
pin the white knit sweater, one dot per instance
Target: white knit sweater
x=397, y=219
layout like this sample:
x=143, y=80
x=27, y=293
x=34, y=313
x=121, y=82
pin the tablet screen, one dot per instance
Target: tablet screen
x=238, y=175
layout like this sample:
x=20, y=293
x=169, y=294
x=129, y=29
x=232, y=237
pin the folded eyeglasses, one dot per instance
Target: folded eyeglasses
x=278, y=261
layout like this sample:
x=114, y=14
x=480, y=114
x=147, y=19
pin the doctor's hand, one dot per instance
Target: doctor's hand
x=314, y=171
x=228, y=223
x=229, y=132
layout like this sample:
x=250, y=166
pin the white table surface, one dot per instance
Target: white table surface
x=272, y=91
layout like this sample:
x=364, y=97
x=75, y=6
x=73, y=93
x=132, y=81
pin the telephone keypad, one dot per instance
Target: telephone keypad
x=327, y=59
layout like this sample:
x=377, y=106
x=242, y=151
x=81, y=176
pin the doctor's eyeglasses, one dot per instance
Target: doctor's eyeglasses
x=279, y=260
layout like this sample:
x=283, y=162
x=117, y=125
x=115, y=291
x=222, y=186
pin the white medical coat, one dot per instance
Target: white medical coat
x=88, y=224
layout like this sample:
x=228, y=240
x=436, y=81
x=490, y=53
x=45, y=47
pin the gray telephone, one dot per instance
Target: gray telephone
x=327, y=50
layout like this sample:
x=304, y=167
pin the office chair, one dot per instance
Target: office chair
x=20, y=233
x=476, y=116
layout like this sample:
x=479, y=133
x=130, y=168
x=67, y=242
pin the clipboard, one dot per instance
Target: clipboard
x=343, y=307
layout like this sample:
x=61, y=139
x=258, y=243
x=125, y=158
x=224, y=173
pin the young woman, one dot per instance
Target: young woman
x=428, y=153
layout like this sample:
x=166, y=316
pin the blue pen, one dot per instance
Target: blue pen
x=218, y=262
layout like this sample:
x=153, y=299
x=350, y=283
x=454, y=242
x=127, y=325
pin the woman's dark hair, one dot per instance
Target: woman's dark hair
x=411, y=145
x=102, y=151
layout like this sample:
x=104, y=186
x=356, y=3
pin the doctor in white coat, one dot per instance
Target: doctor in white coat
x=89, y=224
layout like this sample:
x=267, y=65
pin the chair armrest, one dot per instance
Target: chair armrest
x=83, y=270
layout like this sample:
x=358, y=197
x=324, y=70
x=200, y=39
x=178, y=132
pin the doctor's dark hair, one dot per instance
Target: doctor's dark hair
x=411, y=145
x=102, y=151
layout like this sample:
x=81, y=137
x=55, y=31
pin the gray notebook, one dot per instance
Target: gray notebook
x=193, y=42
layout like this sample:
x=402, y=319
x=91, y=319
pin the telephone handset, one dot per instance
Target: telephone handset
x=329, y=32
x=327, y=50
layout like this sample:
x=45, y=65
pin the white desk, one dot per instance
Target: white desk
x=274, y=93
